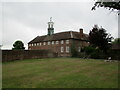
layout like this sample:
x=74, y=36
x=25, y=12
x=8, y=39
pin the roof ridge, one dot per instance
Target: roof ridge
x=65, y=31
x=58, y=36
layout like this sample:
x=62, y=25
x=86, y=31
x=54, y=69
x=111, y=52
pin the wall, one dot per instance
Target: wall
x=11, y=55
x=54, y=47
x=57, y=47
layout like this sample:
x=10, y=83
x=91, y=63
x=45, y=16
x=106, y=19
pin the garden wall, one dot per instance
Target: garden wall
x=11, y=55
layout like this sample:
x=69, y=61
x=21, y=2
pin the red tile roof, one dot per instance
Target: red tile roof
x=60, y=36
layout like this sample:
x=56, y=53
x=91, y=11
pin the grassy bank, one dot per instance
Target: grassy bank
x=60, y=73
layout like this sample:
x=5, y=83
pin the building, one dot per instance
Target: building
x=115, y=46
x=59, y=43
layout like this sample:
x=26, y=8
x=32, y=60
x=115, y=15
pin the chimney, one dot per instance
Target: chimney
x=81, y=33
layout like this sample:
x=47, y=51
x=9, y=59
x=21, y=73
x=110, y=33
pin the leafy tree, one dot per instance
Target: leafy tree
x=116, y=41
x=18, y=45
x=110, y=4
x=100, y=39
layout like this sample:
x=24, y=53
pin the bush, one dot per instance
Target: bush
x=98, y=55
x=114, y=54
x=91, y=52
x=74, y=52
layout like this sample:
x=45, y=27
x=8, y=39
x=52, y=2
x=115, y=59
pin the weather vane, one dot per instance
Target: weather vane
x=50, y=19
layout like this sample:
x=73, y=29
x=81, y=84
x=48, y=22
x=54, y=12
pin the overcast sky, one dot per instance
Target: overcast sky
x=26, y=20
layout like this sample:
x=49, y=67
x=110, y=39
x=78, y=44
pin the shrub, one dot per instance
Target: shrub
x=74, y=52
x=96, y=53
x=89, y=50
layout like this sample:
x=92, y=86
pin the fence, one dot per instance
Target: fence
x=11, y=55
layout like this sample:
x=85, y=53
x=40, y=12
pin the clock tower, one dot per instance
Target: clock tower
x=50, y=27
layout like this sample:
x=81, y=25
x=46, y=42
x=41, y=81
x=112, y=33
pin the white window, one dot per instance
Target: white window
x=57, y=42
x=52, y=42
x=44, y=43
x=29, y=44
x=37, y=44
x=62, y=49
x=62, y=42
x=79, y=49
x=67, y=49
x=48, y=43
x=40, y=44
x=34, y=44
x=67, y=41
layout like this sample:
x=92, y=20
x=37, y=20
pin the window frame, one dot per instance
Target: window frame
x=62, y=49
x=67, y=49
x=44, y=43
x=57, y=42
x=48, y=42
x=52, y=42
x=67, y=41
x=62, y=41
x=79, y=49
x=34, y=44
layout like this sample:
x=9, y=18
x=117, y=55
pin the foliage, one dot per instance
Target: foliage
x=116, y=41
x=98, y=54
x=114, y=54
x=89, y=49
x=100, y=39
x=92, y=52
x=74, y=52
x=18, y=45
x=114, y=5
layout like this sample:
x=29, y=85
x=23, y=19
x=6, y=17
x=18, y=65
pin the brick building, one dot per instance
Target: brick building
x=59, y=43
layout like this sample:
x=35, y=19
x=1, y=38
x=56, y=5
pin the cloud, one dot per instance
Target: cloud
x=26, y=20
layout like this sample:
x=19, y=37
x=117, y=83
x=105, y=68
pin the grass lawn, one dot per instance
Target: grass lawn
x=60, y=73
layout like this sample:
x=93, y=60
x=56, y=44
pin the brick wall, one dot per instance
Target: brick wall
x=11, y=55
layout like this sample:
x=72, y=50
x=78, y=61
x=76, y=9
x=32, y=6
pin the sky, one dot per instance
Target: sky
x=25, y=20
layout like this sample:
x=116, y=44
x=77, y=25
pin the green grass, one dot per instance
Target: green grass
x=60, y=73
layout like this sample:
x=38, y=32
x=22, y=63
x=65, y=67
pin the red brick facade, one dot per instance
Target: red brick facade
x=61, y=47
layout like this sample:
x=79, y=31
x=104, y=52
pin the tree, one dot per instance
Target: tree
x=18, y=45
x=111, y=4
x=100, y=39
x=116, y=41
